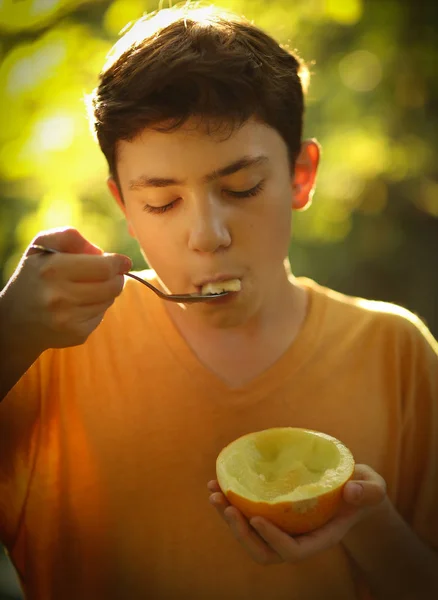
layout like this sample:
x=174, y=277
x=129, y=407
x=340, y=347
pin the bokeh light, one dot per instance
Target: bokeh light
x=361, y=71
x=372, y=104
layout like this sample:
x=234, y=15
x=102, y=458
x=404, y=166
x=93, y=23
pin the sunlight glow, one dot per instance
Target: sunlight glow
x=39, y=7
x=33, y=69
x=151, y=23
x=121, y=11
x=347, y=12
x=360, y=71
x=53, y=133
x=59, y=208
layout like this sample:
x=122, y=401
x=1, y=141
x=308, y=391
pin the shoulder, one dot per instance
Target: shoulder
x=381, y=323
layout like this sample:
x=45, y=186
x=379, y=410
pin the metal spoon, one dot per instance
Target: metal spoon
x=182, y=298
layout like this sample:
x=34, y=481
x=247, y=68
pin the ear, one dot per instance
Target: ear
x=303, y=182
x=115, y=193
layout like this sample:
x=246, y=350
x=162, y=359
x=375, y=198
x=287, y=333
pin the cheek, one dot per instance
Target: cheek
x=157, y=245
x=270, y=238
x=271, y=227
x=280, y=215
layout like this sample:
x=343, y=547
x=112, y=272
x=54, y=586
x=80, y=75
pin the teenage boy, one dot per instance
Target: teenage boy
x=117, y=403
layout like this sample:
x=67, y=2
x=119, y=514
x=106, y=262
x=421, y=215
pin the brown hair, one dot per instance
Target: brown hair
x=183, y=62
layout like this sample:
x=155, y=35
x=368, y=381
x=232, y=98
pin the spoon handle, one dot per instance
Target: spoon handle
x=186, y=298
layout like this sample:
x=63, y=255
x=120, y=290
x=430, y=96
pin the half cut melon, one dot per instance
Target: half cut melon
x=291, y=476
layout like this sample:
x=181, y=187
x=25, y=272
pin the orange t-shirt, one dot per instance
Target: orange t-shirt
x=106, y=449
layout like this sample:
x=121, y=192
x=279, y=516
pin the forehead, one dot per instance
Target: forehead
x=197, y=146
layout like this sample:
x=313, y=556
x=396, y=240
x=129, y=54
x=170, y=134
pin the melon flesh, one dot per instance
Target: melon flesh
x=284, y=464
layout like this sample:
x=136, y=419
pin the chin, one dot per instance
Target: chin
x=227, y=321
x=224, y=315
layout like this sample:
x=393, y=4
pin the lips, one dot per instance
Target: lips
x=216, y=287
x=219, y=283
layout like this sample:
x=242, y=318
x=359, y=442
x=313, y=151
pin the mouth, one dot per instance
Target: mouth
x=218, y=286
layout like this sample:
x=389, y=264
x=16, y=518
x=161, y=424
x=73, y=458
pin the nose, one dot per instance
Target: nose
x=208, y=229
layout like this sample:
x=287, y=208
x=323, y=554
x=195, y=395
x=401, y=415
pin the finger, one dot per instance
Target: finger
x=91, y=293
x=81, y=321
x=66, y=239
x=213, y=486
x=243, y=532
x=84, y=267
x=84, y=314
x=366, y=488
x=327, y=535
x=284, y=545
x=219, y=501
x=87, y=319
x=249, y=539
x=365, y=473
x=364, y=493
x=295, y=548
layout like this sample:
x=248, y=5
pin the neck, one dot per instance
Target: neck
x=239, y=353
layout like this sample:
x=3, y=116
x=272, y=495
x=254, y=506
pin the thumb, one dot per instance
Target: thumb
x=66, y=239
x=366, y=488
x=121, y=263
x=89, y=248
x=364, y=493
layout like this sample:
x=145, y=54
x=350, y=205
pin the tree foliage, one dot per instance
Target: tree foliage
x=372, y=104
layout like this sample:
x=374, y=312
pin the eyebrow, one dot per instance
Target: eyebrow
x=144, y=181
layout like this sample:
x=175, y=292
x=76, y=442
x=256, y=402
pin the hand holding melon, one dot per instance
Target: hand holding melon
x=283, y=482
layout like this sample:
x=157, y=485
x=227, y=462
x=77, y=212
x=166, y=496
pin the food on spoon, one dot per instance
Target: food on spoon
x=217, y=287
x=291, y=476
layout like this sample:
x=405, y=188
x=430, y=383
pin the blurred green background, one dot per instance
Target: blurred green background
x=372, y=230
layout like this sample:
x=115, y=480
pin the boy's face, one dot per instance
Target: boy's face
x=195, y=221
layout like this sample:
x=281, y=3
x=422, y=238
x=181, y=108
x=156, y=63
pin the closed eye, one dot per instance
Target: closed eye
x=159, y=209
x=234, y=194
x=246, y=193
